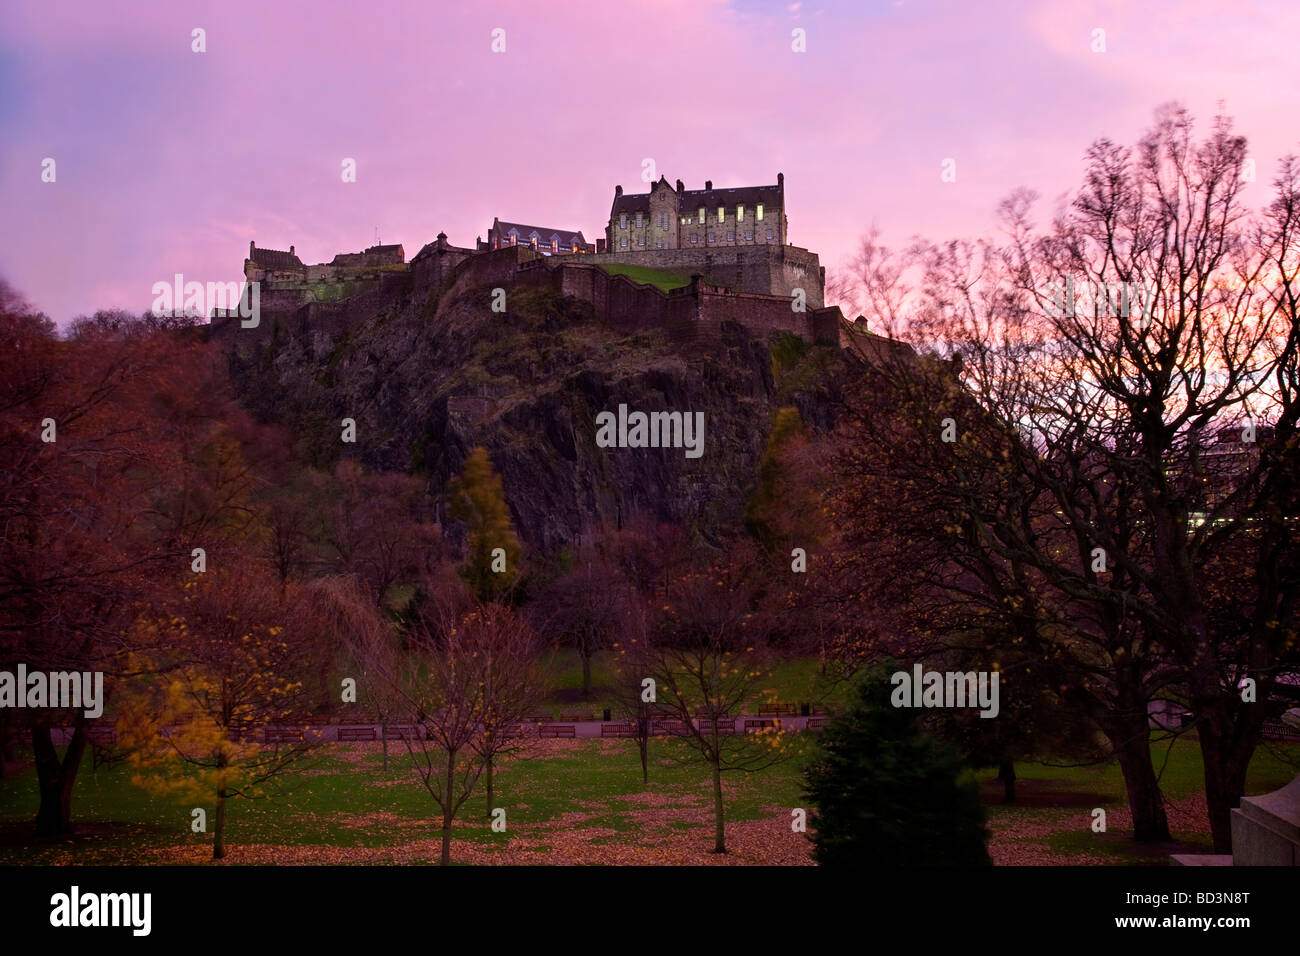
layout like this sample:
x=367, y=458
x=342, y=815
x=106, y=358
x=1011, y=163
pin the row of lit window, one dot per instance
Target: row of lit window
x=662, y=218
x=695, y=239
x=555, y=243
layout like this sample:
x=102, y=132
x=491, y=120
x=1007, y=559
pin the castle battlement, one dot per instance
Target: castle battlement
x=731, y=242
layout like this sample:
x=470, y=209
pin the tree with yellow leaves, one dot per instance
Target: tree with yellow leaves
x=475, y=496
x=230, y=670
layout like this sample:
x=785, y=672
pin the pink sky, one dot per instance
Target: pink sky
x=170, y=161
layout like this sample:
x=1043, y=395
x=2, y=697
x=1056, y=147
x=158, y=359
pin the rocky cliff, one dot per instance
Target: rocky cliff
x=425, y=383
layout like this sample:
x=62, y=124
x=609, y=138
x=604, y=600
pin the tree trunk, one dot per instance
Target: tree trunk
x=219, y=832
x=1132, y=742
x=383, y=737
x=1007, y=774
x=219, y=829
x=5, y=754
x=488, y=770
x=643, y=744
x=447, y=805
x=1225, y=760
x=719, y=843
x=55, y=779
x=586, y=669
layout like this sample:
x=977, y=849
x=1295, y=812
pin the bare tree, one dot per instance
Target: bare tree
x=706, y=657
x=1052, y=454
x=467, y=676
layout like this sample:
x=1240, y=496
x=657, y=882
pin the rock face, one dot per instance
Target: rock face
x=426, y=384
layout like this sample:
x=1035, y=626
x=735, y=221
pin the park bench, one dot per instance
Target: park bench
x=357, y=733
x=675, y=728
x=621, y=729
x=757, y=724
x=577, y=716
x=778, y=710
x=536, y=719
x=101, y=736
x=402, y=732
x=726, y=725
x=281, y=735
x=816, y=723
x=557, y=730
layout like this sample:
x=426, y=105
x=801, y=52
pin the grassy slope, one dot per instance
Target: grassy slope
x=660, y=278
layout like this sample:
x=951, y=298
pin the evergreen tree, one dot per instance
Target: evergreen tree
x=476, y=497
x=885, y=794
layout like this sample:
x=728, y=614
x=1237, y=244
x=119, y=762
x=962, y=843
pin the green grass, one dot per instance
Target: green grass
x=347, y=801
x=659, y=278
x=794, y=681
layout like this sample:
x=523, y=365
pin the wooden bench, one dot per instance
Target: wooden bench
x=726, y=725
x=402, y=732
x=674, y=728
x=816, y=723
x=759, y=724
x=577, y=716
x=101, y=736
x=557, y=730
x=357, y=733
x=536, y=719
x=622, y=729
x=281, y=735
x=778, y=710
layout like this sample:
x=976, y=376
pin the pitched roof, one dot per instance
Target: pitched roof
x=565, y=236
x=277, y=259
x=692, y=199
x=749, y=195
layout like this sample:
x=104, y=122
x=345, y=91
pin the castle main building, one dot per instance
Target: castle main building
x=668, y=218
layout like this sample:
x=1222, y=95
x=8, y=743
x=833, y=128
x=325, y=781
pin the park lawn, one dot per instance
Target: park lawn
x=793, y=681
x=580, y=801
x=659, y=278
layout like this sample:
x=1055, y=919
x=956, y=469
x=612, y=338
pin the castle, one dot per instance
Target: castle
x=668, y=218
x=731, y=243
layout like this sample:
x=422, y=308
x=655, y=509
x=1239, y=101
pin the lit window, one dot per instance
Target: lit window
x=758, y=212
x=514, y=238
x=533, y=242
x=555, y=245
x=722, y=214
x=740, y=213
x=701, y=215
x=575, y=245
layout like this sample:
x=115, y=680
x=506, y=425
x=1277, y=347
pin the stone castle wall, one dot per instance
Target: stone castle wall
x=761, y=269
x=751, y=286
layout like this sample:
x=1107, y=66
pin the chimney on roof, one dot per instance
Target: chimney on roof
x=708, y=184
x=618, y=190
x=680, y=187
x=291, y=250
x=252, y=247
x=780, y=179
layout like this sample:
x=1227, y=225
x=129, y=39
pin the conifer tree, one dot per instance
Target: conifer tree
x=885, y=794
x=476, y=497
